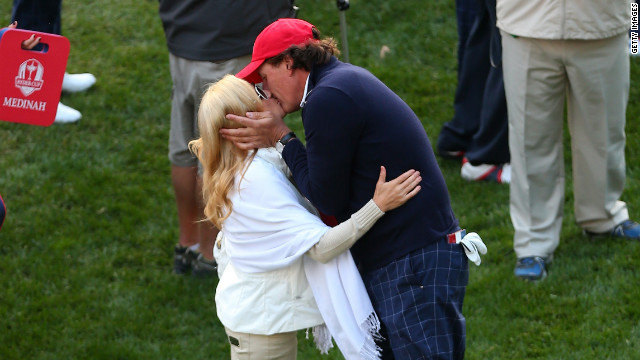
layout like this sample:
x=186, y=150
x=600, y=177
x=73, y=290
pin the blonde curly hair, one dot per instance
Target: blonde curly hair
x=221, y=160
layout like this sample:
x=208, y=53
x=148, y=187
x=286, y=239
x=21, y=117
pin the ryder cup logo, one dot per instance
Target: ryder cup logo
x=29, y=77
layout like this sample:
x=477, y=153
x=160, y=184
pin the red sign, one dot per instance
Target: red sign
x=31, y=80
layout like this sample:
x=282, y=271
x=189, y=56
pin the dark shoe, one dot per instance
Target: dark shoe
x=202, y=267
x=531, y=268
x=627, y=229
x=183, y=258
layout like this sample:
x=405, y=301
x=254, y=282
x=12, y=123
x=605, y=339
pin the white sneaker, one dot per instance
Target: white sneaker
x=486, y=172
x=77, y=82
x=66, y=114
x=505, y=177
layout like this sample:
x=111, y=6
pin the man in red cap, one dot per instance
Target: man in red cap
x=353, y=123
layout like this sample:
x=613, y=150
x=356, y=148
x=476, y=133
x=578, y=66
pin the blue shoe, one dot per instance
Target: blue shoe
x=627, y=229
x=531, y=268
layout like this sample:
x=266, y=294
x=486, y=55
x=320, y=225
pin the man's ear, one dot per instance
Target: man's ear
x=288, y=62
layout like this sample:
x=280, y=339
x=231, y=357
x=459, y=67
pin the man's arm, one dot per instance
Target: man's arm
x=322, y=171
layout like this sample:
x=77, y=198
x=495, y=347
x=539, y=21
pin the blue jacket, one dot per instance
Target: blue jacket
x=354, y=124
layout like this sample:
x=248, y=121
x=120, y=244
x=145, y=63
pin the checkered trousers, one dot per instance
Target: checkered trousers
x=419, y=299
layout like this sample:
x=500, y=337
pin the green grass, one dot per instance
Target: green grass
x=85, y=252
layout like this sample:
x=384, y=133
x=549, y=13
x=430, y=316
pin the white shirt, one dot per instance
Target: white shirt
x=272, y=296
x=265, y=288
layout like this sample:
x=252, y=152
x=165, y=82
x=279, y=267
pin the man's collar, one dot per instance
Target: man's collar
x=313, y=78
x=304, y=97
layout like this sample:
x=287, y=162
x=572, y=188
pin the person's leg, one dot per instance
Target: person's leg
x=283, y=346
x=193, y=230
x=184, y=168
x=184, y=180
x=598, y=72
x=190, y=80
x=419, y=299
x=184, y=165
x=466, y=11
x=490, y=144
x=38, y=15
x=456, y=134
x=534, y=80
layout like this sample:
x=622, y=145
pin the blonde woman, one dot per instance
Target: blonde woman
x=287, y=270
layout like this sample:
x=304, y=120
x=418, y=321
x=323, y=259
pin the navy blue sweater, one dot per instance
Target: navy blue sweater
x=354, y=124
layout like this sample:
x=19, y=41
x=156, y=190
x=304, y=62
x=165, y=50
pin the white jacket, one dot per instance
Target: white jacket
x=266, y=303
x=282, y=269
x=564, y=19
x=261, y=300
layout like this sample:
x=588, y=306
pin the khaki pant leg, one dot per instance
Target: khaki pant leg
x=190, y=79
x=598, y=73
x=535, y=85
x=283, y=346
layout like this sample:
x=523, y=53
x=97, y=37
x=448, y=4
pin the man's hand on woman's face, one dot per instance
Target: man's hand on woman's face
x=263, y=129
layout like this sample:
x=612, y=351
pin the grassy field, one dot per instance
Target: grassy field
x=85, y=252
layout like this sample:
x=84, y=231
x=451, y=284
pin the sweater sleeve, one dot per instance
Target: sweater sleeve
x=340, y=238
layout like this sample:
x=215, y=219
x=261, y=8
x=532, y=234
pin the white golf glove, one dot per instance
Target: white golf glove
x=473, y=247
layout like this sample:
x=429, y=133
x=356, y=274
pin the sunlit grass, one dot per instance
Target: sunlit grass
x=85, y=252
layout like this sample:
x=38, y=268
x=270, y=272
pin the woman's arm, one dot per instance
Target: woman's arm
x=387, y=196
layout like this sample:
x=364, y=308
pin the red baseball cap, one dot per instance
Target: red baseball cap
x=274, y=39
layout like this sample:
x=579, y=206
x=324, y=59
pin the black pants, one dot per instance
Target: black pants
x=480, y=124
x=38, y=15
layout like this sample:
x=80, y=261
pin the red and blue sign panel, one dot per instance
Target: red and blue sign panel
x=31, y=80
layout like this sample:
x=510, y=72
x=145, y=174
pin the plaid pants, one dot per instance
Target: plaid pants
x=419, y=298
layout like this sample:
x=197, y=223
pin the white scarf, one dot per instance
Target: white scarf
x=281, y=228
x=345, y=307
